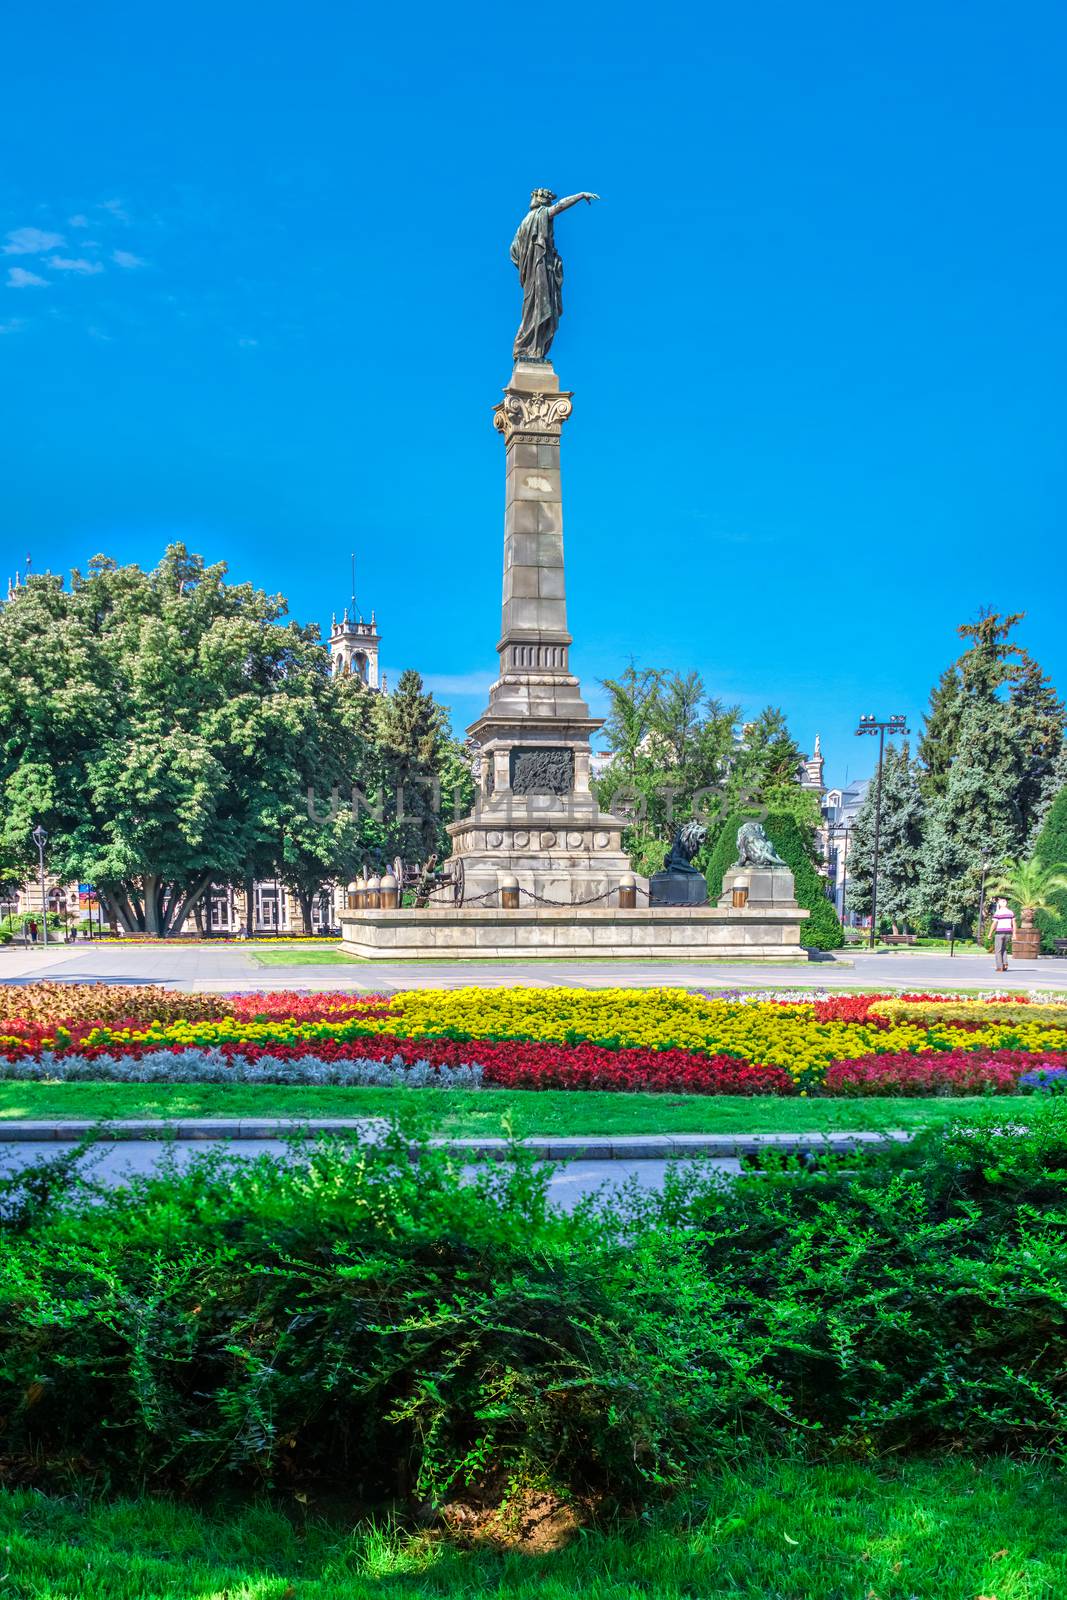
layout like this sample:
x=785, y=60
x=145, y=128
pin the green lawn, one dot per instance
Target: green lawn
x=295, y=957
x=469, y=1113
x=884, y=1531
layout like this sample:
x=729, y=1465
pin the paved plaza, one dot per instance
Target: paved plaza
x=223, y=968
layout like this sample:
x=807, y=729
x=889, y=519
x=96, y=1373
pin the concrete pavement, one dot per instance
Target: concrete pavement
x=547, y=1147
x=223, y=968
x=114, y=1163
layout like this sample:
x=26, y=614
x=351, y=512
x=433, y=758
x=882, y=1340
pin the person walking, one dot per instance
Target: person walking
x=1003, y=930
x=32, y=926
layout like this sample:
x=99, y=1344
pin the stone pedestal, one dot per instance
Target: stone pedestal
x=535, y=815
x=673, y=888
x=677, y=933
x=768, y=888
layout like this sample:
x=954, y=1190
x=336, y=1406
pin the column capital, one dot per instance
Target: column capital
x=531, y=416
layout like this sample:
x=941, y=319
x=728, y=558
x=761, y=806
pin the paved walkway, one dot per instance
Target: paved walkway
x=223, y=968
x=113, y=1163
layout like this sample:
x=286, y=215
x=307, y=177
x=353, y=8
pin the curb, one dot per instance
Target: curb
x=639, y=1147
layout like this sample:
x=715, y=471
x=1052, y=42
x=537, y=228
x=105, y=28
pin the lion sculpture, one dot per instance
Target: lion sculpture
x=687, y=841
x=754, y=849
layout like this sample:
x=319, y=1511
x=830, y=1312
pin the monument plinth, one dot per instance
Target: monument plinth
x=535, y=815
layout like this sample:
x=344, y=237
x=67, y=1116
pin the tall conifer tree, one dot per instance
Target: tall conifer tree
x=900, y=843
x=937, y=744
x=412, y=737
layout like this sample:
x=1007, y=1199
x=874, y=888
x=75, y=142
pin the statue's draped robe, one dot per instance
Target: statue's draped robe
x=533, y=251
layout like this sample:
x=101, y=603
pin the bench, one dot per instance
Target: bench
x=898, y=938
x=1060, y=946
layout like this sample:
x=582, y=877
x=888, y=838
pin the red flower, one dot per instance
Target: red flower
x=942, y=1072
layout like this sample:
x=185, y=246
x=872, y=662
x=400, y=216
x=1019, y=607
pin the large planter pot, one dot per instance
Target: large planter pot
x=1026, y=946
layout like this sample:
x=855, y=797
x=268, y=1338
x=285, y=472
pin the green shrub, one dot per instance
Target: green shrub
x=1050, y=848
x=350, y=1321
x=346, y=1319
x=920, y=1302
x=821, y=930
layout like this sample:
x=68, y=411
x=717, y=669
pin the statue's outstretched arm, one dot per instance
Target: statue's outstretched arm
x=571, y=200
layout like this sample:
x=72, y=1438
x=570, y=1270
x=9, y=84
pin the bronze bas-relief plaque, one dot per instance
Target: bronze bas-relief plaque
x=542, y=771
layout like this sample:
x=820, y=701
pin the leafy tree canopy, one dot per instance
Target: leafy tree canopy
x=171, y=729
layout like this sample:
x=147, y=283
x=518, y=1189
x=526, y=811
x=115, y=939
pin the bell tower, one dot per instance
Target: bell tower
x=354, y=644
x=354, y=649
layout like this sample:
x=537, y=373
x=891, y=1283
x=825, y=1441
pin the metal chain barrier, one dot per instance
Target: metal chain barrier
x=574, y=905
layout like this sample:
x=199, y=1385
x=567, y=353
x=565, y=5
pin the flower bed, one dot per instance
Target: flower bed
x=47, y=1004
x=968, y=1013
x=625, y=1039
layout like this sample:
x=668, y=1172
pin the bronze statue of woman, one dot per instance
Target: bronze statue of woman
x=534, y=252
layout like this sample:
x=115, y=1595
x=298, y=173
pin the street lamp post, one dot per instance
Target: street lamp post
x=39, y=836
x=871, y=724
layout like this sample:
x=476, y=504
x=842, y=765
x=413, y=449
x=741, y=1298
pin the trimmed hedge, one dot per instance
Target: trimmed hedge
x=820, y=931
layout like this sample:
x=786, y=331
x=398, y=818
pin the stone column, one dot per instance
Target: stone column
x=536, y=820
x=533, y=634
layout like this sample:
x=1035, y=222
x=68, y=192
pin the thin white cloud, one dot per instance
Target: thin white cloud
x=19, y=278
x=80, y=220
x=13, y=325
x=115, y=207
x=458, y=682
x=248, y=344
x=126, y=258
x=30, y=242
x=75, y=264
x=95, y=332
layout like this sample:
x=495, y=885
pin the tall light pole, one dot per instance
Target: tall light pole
x=871, y=724
x=39, y=836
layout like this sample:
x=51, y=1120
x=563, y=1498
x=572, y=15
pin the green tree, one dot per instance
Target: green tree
x=994, y=667
x=1032, y=886
x=899, y=846
x=672, y=744
x=629, y=722
x=766, y=760
x=989, y=753
x=328, y=829
x=1038, y=723
x=976, y=819
x=1056, y=782
x=677, y=753
x=157, y=723
x=415, y=745
x=937, y=744
x=1050, y=849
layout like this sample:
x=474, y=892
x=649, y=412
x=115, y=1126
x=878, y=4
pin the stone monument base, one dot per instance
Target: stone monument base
x=572, y=932
x=765, y=888
x=672, y=888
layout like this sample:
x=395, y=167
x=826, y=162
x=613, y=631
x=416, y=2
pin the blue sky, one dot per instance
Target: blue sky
x=255, y=292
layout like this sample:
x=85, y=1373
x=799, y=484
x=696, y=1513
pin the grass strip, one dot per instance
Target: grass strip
x=488, y=1113
x=939, y=1530
x=304, y=958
